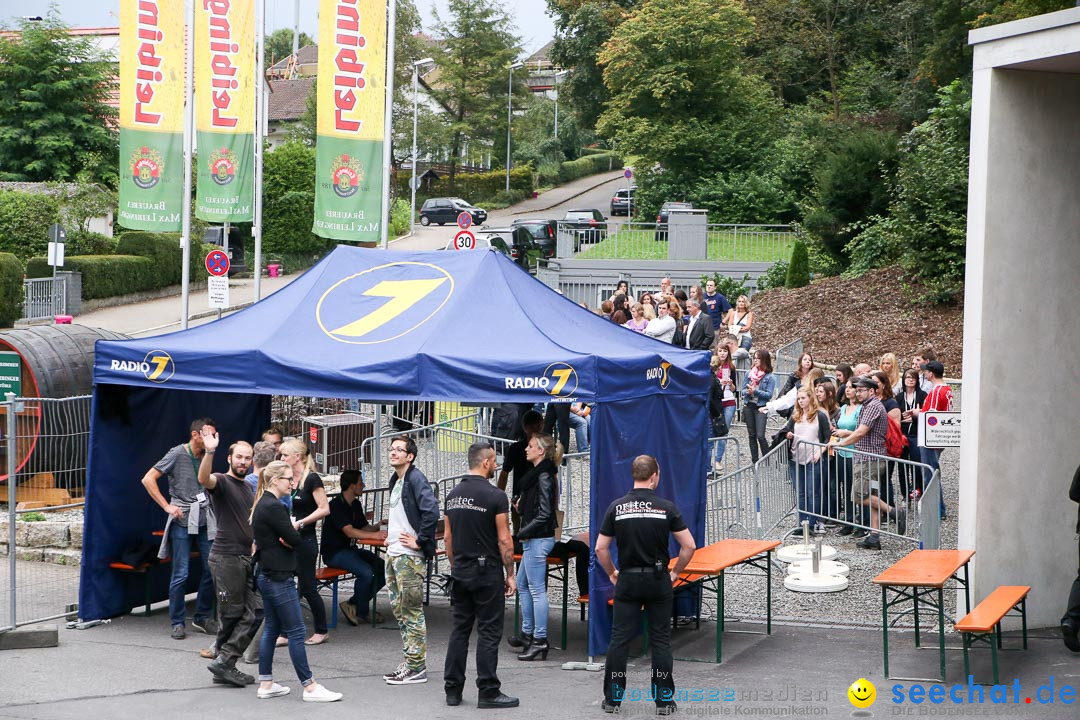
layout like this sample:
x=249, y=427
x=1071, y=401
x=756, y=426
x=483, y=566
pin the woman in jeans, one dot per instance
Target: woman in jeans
x=757, y=390
x=310, y=505
x=845, y=425
x=275, y=538
x=808, y=424
x=538, y=504
x=825, y=392
x=725, y=374
x=911, y=396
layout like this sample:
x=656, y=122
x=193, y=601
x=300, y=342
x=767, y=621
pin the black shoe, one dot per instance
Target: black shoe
x=496, y=702
x=667, y=709
x=227, y=673
x=860, y=533
x=453, y=699
x=537, y=647
x=870, y=542
x=1069, y=631
x=797, y=532
x=609, y=707
x=519, y=642
x=846, y=530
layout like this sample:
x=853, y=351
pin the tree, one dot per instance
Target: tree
x=798, y=272
x=54, y=118
x=476, y=48
x=278, y=45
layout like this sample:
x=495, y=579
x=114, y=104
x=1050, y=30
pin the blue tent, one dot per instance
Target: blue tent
x=384, y=326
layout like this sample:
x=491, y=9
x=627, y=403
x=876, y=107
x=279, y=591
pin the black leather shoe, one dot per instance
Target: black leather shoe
x=536, y=648
x=1069, y=631
x=846, y=530
x=453, y=699
x=498, y=701
x=519, y=642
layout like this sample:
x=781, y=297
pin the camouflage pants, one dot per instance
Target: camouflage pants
x=405, y=582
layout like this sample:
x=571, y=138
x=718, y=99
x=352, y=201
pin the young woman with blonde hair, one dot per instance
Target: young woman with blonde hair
x=808, y=424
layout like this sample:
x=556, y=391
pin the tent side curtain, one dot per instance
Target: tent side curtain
x=674, y=430
x=131, y=429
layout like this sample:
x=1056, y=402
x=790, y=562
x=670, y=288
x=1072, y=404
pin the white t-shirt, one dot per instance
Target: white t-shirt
x=399, y=523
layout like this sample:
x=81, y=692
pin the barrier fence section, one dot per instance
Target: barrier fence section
x=44, y=298
x=626, y=240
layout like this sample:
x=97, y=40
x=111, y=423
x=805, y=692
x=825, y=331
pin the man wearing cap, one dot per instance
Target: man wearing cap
x=869, y=437
x=938, y=399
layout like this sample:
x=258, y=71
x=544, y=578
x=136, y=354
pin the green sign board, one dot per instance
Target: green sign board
x=10, y=374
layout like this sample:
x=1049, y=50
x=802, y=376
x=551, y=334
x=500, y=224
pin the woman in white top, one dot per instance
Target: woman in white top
x=743, y=317
x=808, y=424
x=663, y=327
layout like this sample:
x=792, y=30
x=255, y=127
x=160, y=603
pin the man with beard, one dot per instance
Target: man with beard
x=231, y=560
x=481, y=555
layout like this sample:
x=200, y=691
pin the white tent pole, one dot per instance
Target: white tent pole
x=189, y=137
x=260, y=133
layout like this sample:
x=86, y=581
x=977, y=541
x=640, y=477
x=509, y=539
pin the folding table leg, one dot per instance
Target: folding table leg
x=941, y=630
x=885, y=625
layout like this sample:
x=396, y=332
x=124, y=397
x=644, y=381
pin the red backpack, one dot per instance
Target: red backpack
x=895, y=440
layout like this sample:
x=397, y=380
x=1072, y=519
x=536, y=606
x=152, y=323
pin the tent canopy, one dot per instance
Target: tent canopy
x=383, y=326
x=372, y=324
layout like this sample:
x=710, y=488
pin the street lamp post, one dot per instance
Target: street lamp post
x=412, y=181
x=509, y=116
x=560, y=74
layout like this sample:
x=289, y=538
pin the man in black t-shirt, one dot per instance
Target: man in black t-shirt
x=481, y=555
x=231, y=561
x=641, y=523
x=346, y=522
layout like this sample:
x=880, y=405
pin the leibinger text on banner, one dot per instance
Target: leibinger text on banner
x=351, y=97
x=151, y=114
x=225, y=109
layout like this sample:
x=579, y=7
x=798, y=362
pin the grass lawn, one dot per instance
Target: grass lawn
x=748, y=245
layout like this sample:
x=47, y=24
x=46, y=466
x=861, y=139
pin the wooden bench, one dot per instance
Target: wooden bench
x=983, y=623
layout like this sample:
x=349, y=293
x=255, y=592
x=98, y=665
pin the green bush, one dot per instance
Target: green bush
x=166, y=255
x=83, y=242
x=798, y=274
x=548, y=174
x=399, y=218
x=774, y=277
x=473, y=187
x=289, y=201
x=588, y=165
x=24, y=222
x=506, y=199
x=11, y=289
x=104, y=275
x=729, y=287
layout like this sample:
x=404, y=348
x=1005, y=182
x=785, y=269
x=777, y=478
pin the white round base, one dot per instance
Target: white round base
x=815, y=583
x=793, y=553
x=825, y=567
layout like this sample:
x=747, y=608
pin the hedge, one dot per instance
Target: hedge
x=588, y=165
x=25, y=218
x=104, y=275
x=164, y=251
x=11, y=289
x=473, y=187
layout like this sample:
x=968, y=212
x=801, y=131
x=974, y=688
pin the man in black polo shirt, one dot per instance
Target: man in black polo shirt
x=347, y=522
x=231, y=561
x=641, y=522
x=481, y=555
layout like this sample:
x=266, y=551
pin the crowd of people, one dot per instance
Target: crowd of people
x=860, y=407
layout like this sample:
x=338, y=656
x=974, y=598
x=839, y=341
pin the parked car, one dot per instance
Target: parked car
x=446, y=210
x=543, y=233
x=215, y=235
x=623, y=202
x=662, y=217
x=588, y=226
x=514, y=242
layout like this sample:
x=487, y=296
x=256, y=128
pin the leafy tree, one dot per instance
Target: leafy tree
x=278, y=45
x=476, y=46
x=798, y=272
x=289, y=200
x=54, y=118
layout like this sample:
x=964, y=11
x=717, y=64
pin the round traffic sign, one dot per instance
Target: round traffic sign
x=464, y=221
x=217, y=263
x=464, y=240
x=627, y=174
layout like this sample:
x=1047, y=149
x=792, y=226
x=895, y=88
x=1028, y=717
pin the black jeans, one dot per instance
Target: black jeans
x=632, y=591
x=580, y=551
x=476, y=597
x=558, y=413
x=239, y=605
x=1072, y=612
x=306, y=554
x=755, y=430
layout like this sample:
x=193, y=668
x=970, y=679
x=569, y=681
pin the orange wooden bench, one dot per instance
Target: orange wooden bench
x=144, y=568
x=328, y=577
x=983, y=623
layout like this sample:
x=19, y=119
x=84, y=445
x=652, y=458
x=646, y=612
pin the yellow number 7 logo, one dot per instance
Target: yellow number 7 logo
x=402, y=294
x=562, y=375
x=160, y=363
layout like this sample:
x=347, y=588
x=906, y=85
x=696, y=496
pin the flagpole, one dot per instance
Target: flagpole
x=260, y=133
x=189, y=137
x=388, y=120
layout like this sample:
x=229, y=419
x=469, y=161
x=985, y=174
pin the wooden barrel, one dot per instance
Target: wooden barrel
x=57, y=362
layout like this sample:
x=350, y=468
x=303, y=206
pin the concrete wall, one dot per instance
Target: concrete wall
x=1022, y=306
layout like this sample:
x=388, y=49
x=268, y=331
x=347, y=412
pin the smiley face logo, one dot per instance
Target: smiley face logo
x=862, y=693
x=384, y=302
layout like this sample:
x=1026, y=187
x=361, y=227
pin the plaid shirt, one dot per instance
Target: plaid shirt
x=873, y=416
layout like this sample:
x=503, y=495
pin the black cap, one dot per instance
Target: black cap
x=865, y=381
x=935, y=367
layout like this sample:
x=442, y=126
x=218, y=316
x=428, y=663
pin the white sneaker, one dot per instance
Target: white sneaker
x=321, y=695
x=274, y=691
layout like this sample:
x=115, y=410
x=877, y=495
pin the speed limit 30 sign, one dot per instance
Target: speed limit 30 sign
x=464, y=240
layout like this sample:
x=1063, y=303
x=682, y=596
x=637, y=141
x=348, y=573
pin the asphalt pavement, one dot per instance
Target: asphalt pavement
x=131, y=669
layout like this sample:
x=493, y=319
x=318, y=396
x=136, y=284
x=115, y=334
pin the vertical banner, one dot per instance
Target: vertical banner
x=351, y=97
x=151, y=114
x=225, y=109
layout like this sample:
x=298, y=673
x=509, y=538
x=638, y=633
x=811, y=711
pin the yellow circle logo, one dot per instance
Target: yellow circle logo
x=383, y=303
x=862, y=693
x=562, y=379
x=158, y=366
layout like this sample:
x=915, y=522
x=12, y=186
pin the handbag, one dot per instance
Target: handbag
x=719, y=427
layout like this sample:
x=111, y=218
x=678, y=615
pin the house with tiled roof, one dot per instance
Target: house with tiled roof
x=304, y=64
x=286, y=103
